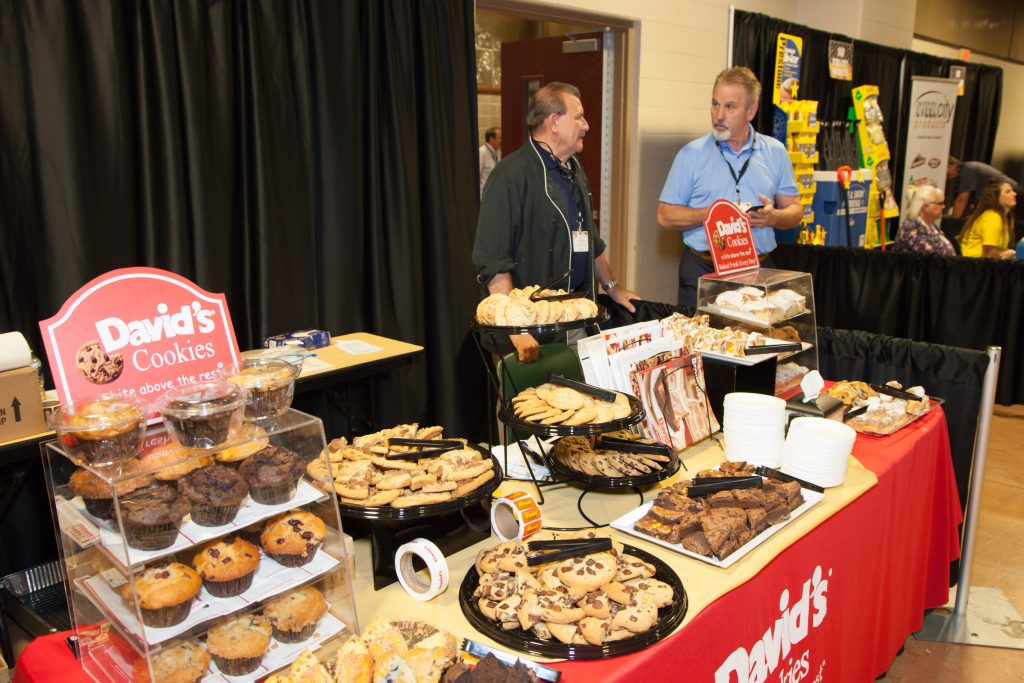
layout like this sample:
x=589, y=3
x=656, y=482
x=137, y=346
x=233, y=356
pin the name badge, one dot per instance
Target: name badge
x=580, y=241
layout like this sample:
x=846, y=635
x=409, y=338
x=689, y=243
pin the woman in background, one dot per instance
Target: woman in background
x=920, y=231
x=989, y=230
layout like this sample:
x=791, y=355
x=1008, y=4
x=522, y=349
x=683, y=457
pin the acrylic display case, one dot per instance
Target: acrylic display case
x=778, y=304
x=103, y=570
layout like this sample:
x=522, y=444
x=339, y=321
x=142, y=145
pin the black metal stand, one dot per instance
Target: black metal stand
x=584, y=515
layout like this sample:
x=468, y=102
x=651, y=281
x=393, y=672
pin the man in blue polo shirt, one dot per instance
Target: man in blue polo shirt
x=731, y=162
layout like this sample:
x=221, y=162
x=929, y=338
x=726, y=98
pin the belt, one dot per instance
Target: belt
x=706, y=256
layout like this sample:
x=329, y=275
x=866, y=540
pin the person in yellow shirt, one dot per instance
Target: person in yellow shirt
x=989, y=231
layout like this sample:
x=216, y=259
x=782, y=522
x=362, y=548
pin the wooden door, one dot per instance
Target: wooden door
x=526, y=65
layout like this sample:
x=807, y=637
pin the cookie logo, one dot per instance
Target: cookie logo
x=96, y=365
x=719, y=240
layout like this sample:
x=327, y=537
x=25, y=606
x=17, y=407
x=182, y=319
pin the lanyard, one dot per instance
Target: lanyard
x=737, y=177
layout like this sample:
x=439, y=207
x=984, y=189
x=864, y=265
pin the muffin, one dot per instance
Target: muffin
x=202, y=415
x=98, y=493
x=152, y=516
x=166, y=591
x=103, y=430
x=292, y=538
x=251, y=533
x=227, y=566
x=272, y=475
x=250, y=439
x=238, y=644
x=269, y=384
x=215, y=492
x=294, y=616
x=184, y=663
x=177, y=458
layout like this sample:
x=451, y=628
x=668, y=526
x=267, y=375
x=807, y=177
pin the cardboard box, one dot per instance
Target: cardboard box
x=21, y=405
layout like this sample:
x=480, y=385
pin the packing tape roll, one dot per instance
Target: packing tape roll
x=515, y=517
x=437, y=566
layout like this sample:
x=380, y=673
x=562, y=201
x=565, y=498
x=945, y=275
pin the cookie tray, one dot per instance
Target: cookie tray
x=748, y=318
x=388, y=513
x=759, y=358
x=604, y=482
x=524, y=641
x=508, y=416
x=601, y=317
x=625, y=523
x=858, y=424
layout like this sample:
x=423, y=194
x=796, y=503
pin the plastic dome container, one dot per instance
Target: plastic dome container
x=269, y=384
x=203, y=415
x=102, y=430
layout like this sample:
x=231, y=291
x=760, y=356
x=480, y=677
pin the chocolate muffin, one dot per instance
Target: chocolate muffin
x=215, y=492
x=295, y=616
x=269, y=384
x=152, y=516
x=103, y=430
x=227, y=566
x=166, y=591
x=292, y=538
x=272, y=475
x=203, y=415
x=98, y=493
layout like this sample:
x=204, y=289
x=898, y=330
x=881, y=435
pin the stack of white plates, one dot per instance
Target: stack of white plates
x=818, y=450
x=754, y=426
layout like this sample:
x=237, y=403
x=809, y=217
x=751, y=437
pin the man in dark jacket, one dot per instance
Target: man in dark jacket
x=536, y=219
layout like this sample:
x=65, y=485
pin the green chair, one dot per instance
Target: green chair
x=557, y=359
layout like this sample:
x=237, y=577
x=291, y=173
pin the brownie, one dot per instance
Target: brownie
x=749, y=498
x=757, y=519
x=152, y=516
x=491, y=670
x=216, y=494
x=272, y=475
x=696, y=543
x=665, y=515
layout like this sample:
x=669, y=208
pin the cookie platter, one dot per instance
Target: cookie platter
x=536, y=309
x=668, y=618
x=599, y=318
x=662, y=464
x=562, y=407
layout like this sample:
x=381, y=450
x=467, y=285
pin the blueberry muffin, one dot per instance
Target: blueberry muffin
x=174, y=460
x=98, y=493
x=269, y=384
x=166, y=591
x=216, y=494
x=103, y=430
x=249, y=440
x=294, y=616
x=152, y=516
x=272, y=475
x=184, y=663
x=293, y=538
x=238, y=644
x=227, y=566
x=203, y=415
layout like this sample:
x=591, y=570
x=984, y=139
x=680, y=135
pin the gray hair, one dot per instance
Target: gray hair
x=546, y=101
x=741, y=75
x=919, y=196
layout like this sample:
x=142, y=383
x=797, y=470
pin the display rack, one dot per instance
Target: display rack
x=100, y=566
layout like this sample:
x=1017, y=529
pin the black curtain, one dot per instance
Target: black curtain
x=977, y=115
x=960, y=302
x=314, y=160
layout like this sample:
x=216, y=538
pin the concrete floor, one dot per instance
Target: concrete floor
x=998, y=563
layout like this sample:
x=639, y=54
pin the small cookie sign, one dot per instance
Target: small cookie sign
x=731, y=244
x=140, y=332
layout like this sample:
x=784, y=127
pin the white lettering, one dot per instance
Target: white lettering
x=115, y=333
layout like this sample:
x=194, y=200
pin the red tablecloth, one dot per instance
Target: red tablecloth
x=835, y=606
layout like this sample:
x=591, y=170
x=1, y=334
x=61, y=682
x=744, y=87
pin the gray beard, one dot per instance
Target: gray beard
x=720, y=135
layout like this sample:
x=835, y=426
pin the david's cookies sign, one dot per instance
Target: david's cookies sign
x=138, y=331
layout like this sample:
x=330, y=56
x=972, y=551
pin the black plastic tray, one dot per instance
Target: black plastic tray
x=522, y=641
x=420, y=511
x=601, y=317
x=603, y=482
x=508, y=416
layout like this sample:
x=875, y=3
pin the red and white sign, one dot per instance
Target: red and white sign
x=729, y=239
x=137, y=331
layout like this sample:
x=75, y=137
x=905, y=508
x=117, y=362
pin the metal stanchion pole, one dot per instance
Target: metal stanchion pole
x=958, y=625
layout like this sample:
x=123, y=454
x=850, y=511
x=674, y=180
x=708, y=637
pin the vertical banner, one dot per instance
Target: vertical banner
x=787, y=68
x=929, y=129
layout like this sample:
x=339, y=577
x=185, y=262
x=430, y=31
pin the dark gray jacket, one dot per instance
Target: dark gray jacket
x=524, y=226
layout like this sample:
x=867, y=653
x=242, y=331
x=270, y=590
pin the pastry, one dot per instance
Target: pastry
x=165, y=593
x=295, y=615
x=216, y=493
x=292, y=538
x=239, y=643
x=249, y=440
x=202, y=415
x=269, y=384
x=151, y=516
x=102, y=431
x=272, y=475
x=227, y=566
x=174, y=460
x=98, y=493
x=184, y=663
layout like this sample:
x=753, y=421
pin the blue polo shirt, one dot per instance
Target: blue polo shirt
x=699, y=176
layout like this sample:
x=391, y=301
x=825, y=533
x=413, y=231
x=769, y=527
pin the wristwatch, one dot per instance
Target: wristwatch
x=609, y=286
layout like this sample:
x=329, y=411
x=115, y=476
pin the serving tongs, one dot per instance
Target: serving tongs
x=582, y=387
x=765, y=349
x=782, y=476
x=567, y=276
x=558, y=550
x=895, y=393
x=440, y=446
x=638, y=447
x=479, y=650
x=704, y=486
x=852, y=412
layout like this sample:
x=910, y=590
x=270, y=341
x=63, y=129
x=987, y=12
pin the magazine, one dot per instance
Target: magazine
x=671, y=390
